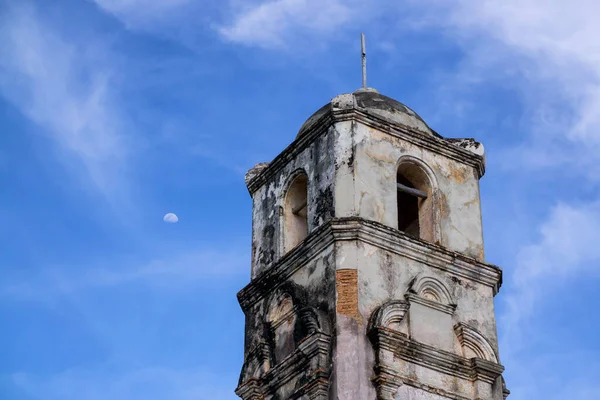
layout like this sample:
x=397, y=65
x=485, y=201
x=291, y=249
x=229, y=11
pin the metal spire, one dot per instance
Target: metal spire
x=364, y=60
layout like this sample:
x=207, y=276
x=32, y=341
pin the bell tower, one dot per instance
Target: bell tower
x=368, y=278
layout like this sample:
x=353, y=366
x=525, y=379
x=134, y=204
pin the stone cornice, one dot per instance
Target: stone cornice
x=388, y=381
x=376, y=234
x=293, y=149
x=430, y=357
x=279, y=271
x=419, y=250
x=438, y=145
x=250, y=390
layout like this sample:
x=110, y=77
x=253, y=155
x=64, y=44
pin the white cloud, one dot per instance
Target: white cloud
x=171, y=218
x=548, y=49
x=567, y=249
x=272, y=24
x=545, y=48
x=65, y=87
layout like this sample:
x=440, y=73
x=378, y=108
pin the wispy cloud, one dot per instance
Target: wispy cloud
x=547, y=50
x=166, y=272
x=270, y=24
x=141, y=13
x=566, y=250
x=279, y=23
x=66, y=88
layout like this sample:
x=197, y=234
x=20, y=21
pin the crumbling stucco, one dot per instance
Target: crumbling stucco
x=359, y=309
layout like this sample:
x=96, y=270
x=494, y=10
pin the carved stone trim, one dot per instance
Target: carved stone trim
x=426, y=286
x=445, y=308
x=388, y=382
x=311, y=358
x=250, y=390
x=376, y=234
x=436, y=256
x=392, y=312
x=430, y=357
x=505, y=391
x=276, y=273
x=258, y=357
x=471, y=338
x=310, y=320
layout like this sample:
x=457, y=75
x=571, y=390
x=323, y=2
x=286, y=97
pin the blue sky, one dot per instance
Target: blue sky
x=116, y=112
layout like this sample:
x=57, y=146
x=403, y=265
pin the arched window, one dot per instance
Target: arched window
x=415, y=201
x=296, y=212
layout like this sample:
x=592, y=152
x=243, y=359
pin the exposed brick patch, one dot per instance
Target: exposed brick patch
x=346, y=284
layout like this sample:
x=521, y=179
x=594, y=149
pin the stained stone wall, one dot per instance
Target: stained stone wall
x=359, y=309
x=386, y=272
x=316, y=160
x=365, y=184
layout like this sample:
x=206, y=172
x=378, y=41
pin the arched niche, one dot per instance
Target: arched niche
x=295, y=211
x=431, y=310
x=281, y=321
x=474, y=344
x=416, y=199
x=390, y=315
x=432, y=289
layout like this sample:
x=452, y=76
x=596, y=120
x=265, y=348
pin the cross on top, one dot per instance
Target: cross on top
x=364, y=60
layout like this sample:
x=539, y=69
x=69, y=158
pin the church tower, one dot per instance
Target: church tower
x=368, y=275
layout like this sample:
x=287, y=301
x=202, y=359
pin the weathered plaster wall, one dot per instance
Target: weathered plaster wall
x=351, y=169
x=365, y=185
x=267, y=226
x=310, y=287
x=384, y=276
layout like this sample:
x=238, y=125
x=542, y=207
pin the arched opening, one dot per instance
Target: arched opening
x=296, y=212
x=415, y=202
x=282, y=320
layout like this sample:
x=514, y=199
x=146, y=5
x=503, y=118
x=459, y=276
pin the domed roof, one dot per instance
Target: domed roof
x=371, y=102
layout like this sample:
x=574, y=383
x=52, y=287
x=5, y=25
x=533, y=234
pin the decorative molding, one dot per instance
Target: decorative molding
x=392, y=312
x=257, y=362
x=310, y=320
x=376, y=234
x=426, y=287
x=408, y=350
x=431, y=293
x=325, y=123
x=387, y=382
x=474, y=340
x=250, y=390
x=311, y=360
x=398, y=344
x=445, y=308
x=433, y=255
x=505, y=391
x=279, y=271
